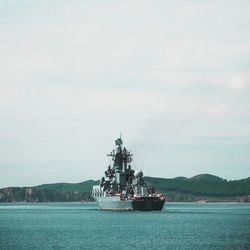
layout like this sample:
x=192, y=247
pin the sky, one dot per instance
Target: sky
x=172, y=76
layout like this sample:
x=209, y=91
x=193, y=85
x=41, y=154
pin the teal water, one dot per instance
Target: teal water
x=82, y=226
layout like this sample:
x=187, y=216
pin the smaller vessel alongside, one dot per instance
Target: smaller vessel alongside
x=122, y=188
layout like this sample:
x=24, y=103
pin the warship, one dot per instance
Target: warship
x=122, y=188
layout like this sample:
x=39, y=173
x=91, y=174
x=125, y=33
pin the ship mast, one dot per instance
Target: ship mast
x=121, y=158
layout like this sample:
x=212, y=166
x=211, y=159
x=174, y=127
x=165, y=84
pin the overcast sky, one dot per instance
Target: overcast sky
x=172, y=76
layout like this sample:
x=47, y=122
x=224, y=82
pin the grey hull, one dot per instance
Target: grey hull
x=114, y=203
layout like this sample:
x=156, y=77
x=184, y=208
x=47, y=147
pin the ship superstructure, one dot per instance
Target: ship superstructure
x=122, y=188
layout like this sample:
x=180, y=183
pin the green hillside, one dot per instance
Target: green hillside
x=200, y=187
x=84, y=186
x=207, y=187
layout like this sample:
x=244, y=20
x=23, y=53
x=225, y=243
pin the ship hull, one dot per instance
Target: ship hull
x=141, y=204
x=114, y=204
x=148, y=204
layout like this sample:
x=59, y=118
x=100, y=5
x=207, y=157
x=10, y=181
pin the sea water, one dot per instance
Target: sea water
x=83, y=226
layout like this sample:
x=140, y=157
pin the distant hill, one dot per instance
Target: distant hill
x=202, y=187
x=198, y=188
x=84, y=186
x=180, y=178
x=206, y=177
